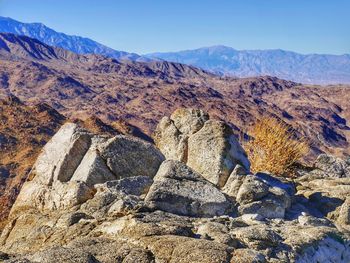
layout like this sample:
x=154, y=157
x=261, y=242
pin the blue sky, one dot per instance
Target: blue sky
x=305, y=26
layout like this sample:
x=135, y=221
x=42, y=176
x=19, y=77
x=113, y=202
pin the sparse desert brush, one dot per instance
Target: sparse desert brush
x=273, y=147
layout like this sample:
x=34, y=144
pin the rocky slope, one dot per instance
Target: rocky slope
x=79, y=86
x=95, y=198
x=24, y=130
x=311, y=68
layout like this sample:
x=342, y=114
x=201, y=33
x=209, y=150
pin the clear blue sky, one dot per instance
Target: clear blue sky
x=305, y=26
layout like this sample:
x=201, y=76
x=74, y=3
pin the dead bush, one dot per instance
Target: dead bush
x=273, y=147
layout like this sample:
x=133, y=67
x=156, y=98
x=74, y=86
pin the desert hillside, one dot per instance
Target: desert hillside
x=141, y=93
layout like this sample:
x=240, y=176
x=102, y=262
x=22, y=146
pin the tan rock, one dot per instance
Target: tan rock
x=214, y=152
x=178, y=189
x=170, y=141
x=93, y=169
x=128, y=156
x=61, y=155
x=235, y=181
x=189, y=121
x=176, y=249
x=56, y=197
x=344, y=213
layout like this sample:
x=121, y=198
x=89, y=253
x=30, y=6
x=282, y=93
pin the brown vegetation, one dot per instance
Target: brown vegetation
x=274, y=147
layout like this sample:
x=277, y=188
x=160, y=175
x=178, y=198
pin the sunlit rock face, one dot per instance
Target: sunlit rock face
x=207, y=146
x=93, y=198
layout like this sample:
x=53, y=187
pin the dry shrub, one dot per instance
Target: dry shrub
x=273, y=147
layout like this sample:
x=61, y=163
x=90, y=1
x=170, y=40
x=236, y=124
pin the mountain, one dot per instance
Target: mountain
x=140, y=93
x=312, y=69
x=43, y=86
x=76, y=44
x=308, y=69
x=14, y=46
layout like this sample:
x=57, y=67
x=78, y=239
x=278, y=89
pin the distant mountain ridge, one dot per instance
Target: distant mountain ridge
x=221, y=60
x=76, y=44
x=312, y=68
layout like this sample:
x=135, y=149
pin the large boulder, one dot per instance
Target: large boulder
x=214, y=152
x=180, y=190
x=93, y=168
x=207, y=146
x=61, y=155
x=170, y=141
x=74, y=161
x=172, y=133
x=128, y=156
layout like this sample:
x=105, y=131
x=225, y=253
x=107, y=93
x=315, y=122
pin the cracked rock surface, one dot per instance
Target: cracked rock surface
x=91, y=198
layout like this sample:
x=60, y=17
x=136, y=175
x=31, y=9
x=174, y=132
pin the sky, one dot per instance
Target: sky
x=140, y=26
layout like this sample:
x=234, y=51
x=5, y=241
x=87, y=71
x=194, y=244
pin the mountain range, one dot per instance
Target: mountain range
x=76, y=44
x=41, y=86
x=222, y=60
x=312, y=69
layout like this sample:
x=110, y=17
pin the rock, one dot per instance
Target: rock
x=323, y=196
x=307, y=220
x=59, y=196
x=245, y=255
x=267, y=208
x=118, y=206
x=180, y=190
x=235, y=181
x=251, y=190
x=258, y=237
x=344, y=213
x=123, y=207
x=70, y=219
x=67, y=177
x=185, y=249
x=62, y=254
x=137, y=185
x=94, y=250
x=327, y=250
x=172, y=133
x=117, y=198
x=330, y=166
x=214, y=152
x=170, y=141
x=93, y=169
x=264, y=197
x=189, y=121
x=207, y=146
x=279, y=182
x=252, y=219
x=127, y=156
x=217, y=232
x=61, y=155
